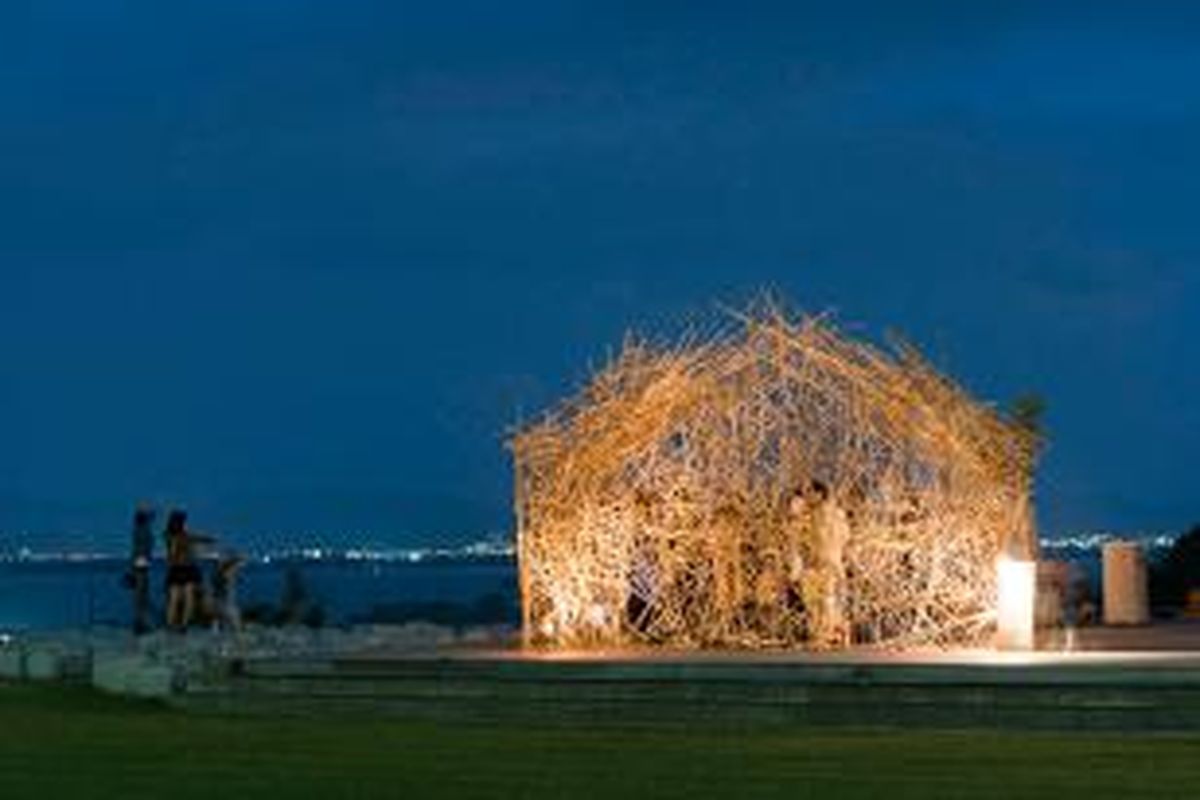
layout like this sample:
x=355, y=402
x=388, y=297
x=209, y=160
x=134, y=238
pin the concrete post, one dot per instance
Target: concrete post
x=1126, y=598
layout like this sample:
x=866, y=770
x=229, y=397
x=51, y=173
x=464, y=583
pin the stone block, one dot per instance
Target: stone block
x=134, y=676
x=12, y=662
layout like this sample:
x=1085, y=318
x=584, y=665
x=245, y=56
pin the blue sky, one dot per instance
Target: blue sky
x=299, y=265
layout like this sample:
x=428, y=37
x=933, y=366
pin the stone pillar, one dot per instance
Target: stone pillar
x=1126, y=598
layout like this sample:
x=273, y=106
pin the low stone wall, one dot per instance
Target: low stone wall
x=161, y=664
x=44, y=660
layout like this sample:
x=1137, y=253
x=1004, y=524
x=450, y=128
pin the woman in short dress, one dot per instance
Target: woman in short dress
x=183, y=575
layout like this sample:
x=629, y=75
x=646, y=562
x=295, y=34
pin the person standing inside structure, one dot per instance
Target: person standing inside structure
x=798, y=554
x=141, y=550
x=832, y=533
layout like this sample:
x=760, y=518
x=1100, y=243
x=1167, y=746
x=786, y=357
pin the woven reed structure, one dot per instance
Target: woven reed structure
x=775, y=485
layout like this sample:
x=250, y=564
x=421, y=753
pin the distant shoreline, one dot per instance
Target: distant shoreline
x=110, y=559
x=497, y=551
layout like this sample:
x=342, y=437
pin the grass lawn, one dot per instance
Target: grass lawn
x=71, y=743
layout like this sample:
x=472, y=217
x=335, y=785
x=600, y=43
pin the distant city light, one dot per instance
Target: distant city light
x=491, y=546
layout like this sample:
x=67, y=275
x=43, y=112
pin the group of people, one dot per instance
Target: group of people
x=797, y=584
x=189, y=598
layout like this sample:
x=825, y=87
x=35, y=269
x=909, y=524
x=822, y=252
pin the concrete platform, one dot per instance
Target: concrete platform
x=1112, y=690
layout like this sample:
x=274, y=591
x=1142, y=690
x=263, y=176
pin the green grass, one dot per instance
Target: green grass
x=71, y=743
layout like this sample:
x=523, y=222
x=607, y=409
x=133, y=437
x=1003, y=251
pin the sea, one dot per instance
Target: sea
x=36, y=596
x=50, y=595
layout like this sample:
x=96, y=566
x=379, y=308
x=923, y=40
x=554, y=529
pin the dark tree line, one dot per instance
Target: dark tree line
x=1178, y=572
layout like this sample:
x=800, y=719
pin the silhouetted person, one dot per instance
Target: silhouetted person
x=141, y=550
x=800, y=534
x=798, y=559
x=183, y=575
x=226, y=614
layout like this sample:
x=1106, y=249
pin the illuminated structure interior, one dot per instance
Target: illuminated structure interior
x=775, y=485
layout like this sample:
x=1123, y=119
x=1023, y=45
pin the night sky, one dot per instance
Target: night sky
x=298, y=265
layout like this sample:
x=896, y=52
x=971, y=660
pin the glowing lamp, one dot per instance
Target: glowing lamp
x=1016, y=581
